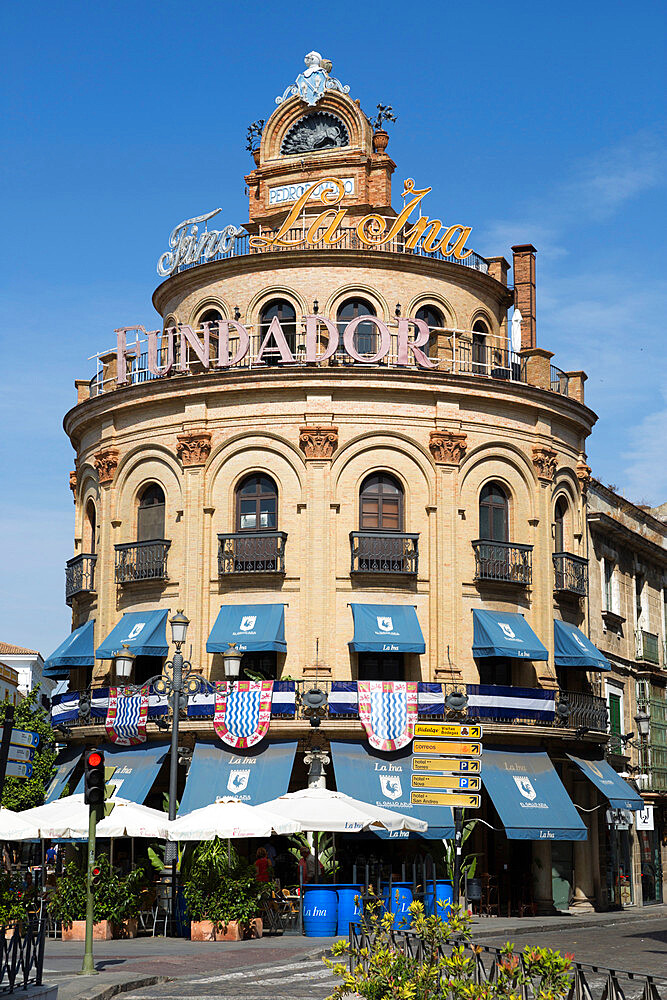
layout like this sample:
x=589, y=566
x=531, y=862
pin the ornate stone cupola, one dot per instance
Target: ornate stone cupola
x=317, y=132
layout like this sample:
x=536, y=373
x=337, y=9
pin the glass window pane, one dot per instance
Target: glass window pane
x=498, y=524
x=484, y=531
x=248, y=522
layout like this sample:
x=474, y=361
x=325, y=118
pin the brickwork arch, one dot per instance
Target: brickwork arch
x=507, y=465
x=275, y=450
x=353, y=291
x=438, y=302
x=286, y=114
x=209, y=302
x=267, y=295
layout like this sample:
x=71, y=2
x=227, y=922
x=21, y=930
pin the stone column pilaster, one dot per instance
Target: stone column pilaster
x=545, y=460
x=106, y=463
x=193, y=449
x=585, y=866
x=542, y=885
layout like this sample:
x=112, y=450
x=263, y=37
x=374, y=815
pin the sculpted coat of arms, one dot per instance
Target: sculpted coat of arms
x=312, y=84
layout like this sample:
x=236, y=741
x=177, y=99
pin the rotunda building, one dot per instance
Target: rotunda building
x=343, y=454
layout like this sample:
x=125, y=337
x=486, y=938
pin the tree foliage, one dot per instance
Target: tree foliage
x=24, y=793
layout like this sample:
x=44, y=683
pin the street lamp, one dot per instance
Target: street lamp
x=643, y=723
x=123, y=663
x=643, y=720
x=231, y=659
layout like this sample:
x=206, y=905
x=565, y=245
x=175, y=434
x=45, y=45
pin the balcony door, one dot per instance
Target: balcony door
x=381, y=503
x=381, y=667
x=150, y=515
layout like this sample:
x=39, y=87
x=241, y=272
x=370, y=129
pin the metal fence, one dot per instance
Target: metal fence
x=389, y=552
x=79, y=575
x=570, y=574
x=22, y=955
x=252, y=552
x=560, y=382
x=503, y=562
x=141, y=561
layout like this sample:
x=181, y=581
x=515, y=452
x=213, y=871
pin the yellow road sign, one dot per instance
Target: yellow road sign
x=446, y=747
x=461, y=799
x=449, y=764
x=448, y=731
x=458, y=782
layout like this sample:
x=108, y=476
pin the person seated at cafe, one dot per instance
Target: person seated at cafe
x=263, y=866
x=307, y=865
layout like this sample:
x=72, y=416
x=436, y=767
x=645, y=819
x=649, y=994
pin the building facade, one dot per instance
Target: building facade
x=341, y=452
x=28, y=665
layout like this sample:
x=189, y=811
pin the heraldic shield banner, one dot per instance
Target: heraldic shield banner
x=388, y=712
x=242, y=714
x=127, y=712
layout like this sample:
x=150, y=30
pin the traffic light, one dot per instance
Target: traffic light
x=94, y=778
x=95, y=873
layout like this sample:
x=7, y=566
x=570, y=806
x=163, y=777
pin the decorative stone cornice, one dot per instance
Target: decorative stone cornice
x=545, y=461
x=318, y=441
x=106, y=463
x=194, y=447
x=583, y=472
x=448, y=447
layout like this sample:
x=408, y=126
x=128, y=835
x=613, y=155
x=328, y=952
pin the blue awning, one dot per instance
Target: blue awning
x=618, y=792
x=65, y=765
x=77, y=650
x=497, y=633
x=574, y=649
x=143, y=631
x=251, y=626
x=529, y=796
x=386, y=780
x=386, y=628
x=136, y=768
x=254, y=776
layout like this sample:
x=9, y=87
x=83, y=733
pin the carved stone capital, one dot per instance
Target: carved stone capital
x=194, y=447
x=106, y=463
x=545, y=461
x=583, y=472
x=72, y=480
x=318, y=442
x=448, y=447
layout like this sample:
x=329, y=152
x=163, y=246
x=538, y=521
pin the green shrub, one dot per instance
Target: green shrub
x=218, y=891
x=14, y=898
x=116, y=897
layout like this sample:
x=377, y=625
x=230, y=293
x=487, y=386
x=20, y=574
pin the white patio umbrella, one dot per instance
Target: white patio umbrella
x=68, y=817
x=229, y=819
x=323, y=810
x=14, y=827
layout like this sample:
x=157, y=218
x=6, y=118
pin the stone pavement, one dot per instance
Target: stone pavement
x=291, y=965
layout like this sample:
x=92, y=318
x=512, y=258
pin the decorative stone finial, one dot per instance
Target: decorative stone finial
x=448, y=447
x=194, y=447
x=318, y=442
x=545, y=461
x=313, y=83
x=106, y=463
x=72, y=480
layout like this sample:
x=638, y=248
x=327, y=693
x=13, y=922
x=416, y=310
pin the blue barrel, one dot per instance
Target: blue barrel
x=320, y=911
x=443, y=894
x=399, y=904
x=348, y=908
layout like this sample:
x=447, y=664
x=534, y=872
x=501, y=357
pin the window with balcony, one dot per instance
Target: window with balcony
x=496, y=558
x=213, y=317
x=90, y=528
x=366, y=337
x=570, y=571
x=284, y=312
x=256, y=546
x=380, y=667
x=150, y=513
x=434, y=320
x=480, y=333
x=381, y=545
x=145, y=559
x=615, y=706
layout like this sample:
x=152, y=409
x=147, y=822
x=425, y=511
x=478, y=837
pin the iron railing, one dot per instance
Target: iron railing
x=560, y=382
x=587, y=981
x=647, y=647
x=79, y=576
x=252, y=552
x=384, y=552
x=142, y=561
x=503, y=562
x=584, y=710
x=570, y=574
x=22, y=955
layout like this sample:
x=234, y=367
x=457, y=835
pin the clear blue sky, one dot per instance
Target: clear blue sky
x=532, y=122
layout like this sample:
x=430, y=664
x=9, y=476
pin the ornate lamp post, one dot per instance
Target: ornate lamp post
x=231, y=659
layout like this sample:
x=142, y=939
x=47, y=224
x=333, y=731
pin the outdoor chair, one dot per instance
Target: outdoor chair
x=162, y=908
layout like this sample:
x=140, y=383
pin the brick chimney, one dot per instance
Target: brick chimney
x=524, y=291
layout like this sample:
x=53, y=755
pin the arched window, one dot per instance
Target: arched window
x=150, y=516
x=560, y=513
x=434, y=320
x=90, y=529
x=366, y=336
x=493, y=513
x=381, y=503
x=212, y=316
x=285, y=313
x=257, y=504
x=480, y=332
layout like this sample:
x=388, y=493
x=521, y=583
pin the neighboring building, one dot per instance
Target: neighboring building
x=29, y=666
x=9, y=685
x=338, y=455
x=628, y=603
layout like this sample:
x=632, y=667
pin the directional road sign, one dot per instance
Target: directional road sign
x=457, y=782
x=447, y=747
x=17, y=770
x=23, y=738
x=448, y=731
x=21, y=753
x=451, y=765
x=462, y=800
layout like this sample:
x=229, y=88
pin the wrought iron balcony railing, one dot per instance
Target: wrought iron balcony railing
x=503, y=562
x=252, y=552
x=560, y=382
x=384, y=552
x=583, y=710
x=79, y=576
x=142, y=561
x=647, y=647
x=570, y=574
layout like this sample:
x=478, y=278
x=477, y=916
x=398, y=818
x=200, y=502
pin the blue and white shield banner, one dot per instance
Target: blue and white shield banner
x=127, y=712
x=388, y=712
x=242, y=715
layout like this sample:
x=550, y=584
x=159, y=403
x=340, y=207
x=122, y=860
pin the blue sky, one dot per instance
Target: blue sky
x=532, y=122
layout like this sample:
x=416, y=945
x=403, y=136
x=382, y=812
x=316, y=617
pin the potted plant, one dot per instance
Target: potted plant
x=380, y=135
x=223, y=895
x=116, y=900
x=14, y=901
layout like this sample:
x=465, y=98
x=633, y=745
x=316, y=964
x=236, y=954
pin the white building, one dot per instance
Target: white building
x=29, y=666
